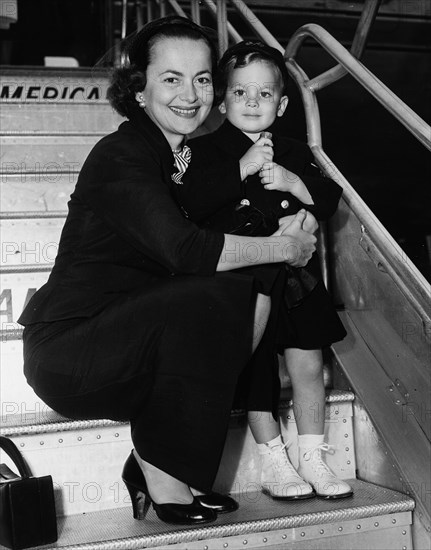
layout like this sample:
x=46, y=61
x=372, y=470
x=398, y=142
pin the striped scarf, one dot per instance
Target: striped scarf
x=182, y=160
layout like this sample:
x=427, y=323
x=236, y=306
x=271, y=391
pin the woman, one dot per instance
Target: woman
x=140, y=318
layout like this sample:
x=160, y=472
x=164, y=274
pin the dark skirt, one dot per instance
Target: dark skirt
x=313, y=324
x=166, y=358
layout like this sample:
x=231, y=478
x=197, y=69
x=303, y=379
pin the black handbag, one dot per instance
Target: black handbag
x=27, y=507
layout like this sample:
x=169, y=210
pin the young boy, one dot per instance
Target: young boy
x=232, y=168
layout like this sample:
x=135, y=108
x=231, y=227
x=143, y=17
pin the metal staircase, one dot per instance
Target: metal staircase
x=49, y=121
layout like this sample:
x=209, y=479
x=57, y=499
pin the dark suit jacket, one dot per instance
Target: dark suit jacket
x=212, y=187
x=124, y=228
x=213, y=180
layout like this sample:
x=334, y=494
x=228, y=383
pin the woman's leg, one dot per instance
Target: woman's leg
x=167, y=358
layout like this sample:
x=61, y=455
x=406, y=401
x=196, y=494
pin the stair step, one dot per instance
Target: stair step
x=374, y=517
x=85, y=458
x=58, y=117
x=62, y=153
x=30, y=241
x=41, y=191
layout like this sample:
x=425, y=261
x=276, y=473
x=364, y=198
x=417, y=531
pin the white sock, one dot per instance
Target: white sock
x=264, y=447
x=310, y=441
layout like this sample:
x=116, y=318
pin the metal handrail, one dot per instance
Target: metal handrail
x=390, y=101
x=363, y=29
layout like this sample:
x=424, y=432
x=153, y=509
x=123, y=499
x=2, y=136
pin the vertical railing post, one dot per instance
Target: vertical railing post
x=222, y=26
x=195, y=11
x=139, y=15
x=162, y=8
x=149, y=11
x=123, y=19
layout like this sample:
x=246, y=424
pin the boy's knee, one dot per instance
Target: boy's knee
x=304, y=363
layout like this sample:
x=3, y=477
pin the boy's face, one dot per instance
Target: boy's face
x=253, y=97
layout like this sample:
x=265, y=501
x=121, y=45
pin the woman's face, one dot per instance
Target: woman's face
x=178, y=95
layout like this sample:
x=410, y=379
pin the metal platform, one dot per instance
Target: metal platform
x=370, y=510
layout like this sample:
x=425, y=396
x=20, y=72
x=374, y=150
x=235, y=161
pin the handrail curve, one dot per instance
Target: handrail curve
x=390, y=101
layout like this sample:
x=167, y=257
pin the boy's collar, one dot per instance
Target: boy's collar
x=234, y=142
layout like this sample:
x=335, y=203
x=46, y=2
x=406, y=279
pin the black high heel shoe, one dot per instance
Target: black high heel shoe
x=183, y=514
x=222, y=504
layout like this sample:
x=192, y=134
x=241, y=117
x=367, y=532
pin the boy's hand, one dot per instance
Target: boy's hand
x=258, y=154
x=273, y=176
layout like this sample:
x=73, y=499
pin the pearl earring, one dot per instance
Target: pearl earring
x=140, y=99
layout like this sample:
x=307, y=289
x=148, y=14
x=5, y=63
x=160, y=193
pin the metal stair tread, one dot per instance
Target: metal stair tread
x=257, y=513
x=51, y=421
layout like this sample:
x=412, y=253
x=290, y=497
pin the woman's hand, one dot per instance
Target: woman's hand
x=301, y=244
x=310, y=223
x=255, y=157
x=291, y=243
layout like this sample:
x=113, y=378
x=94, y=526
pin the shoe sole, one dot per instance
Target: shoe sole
x=334, y=497
x=300, y=497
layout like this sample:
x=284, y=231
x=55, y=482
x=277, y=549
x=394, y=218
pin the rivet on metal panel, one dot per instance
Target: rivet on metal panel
x=404, y=532
x=344, y=420
x=340, y=528
x=404, y=547
x=347, y=448
x=337, y=412
x=98, y=436
x=22, y=444
x=288, y=416
x=348, y=462
x=225, y=545
x=302, y=534
x=322, y=531
x=265, y=540
x=60, y=441
x=244, y=541
x=346, y=435
x=394, y=520
x=205, y=547
x=284, y=537
x=117, y=435
x=42, y=442
x=376, y=524
x=79, y=438
x=358, y=526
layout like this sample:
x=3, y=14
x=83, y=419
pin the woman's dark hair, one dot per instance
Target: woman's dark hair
x=242, y=54
x=126, y=81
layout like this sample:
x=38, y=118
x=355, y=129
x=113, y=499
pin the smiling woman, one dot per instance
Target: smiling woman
x=178, y=95
x=140, y=306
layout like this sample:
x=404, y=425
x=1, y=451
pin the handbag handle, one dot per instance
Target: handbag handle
x=11, y=449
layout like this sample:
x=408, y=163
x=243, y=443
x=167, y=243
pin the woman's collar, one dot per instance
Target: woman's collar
x=152, y=133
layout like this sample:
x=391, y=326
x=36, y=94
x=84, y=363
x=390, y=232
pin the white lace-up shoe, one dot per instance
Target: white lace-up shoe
x=314, y=470
x=279, y=478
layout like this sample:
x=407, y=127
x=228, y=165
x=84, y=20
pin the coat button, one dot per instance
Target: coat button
x=284, y=204
x=245, y=202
